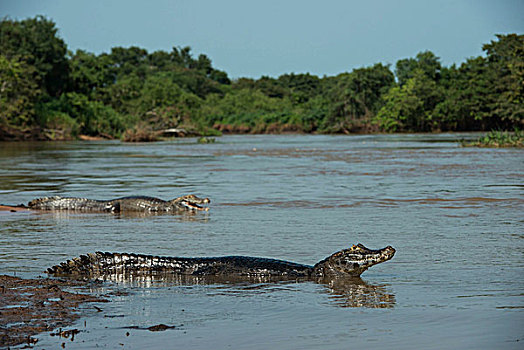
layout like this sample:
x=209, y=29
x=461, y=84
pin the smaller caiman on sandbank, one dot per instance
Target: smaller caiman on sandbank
x=118, y=205
x=350, y=262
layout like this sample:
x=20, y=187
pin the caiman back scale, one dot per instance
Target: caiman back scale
x=348, y=262
x=124, y=204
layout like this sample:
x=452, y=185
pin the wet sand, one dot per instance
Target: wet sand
x=32, y=306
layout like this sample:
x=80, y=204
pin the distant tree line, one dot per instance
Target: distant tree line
x=48, y=92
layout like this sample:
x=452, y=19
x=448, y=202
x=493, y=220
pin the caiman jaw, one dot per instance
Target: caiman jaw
x=193, y=203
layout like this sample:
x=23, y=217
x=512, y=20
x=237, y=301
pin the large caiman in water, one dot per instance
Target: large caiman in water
x=350, y=262
x=117, y=205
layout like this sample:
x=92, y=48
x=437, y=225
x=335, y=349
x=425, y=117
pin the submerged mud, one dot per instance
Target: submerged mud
x=32, y=306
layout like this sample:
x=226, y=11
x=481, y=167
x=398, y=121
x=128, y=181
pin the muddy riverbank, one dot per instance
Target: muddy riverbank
x=32, y=306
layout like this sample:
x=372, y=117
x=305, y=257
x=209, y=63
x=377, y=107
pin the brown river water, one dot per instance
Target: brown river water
x=455, y=216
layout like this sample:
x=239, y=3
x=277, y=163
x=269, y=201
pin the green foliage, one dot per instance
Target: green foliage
x=355, y=98
x=466, y=106
x=487, y=93
x=58, y=125
x=18, y=93
x=35, y=41
x=91, y=75
x=506, y=60
x=425, y=62
x=205, y=139
x=85, y=116
x=410, y=107
x=247, y=107
x=499, y=139
x=47, y=93
x=399, y=105
x=159, y=90
x=122, y=94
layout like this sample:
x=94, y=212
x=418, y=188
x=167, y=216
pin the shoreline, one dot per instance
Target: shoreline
x=475, y=139
x=105, y=138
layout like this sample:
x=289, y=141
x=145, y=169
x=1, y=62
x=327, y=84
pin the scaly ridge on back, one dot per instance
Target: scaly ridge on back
x=69, y=203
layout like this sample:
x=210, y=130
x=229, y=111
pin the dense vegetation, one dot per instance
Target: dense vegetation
x=498, y=139
x=47, y=92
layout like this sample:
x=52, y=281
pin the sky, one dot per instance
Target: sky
x=273, y=37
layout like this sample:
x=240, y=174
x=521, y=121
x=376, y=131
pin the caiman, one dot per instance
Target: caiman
x=117, y=205
x=350, y=262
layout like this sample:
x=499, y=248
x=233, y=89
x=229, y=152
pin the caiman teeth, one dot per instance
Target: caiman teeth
x=193, y=206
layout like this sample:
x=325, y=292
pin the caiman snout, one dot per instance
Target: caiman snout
x=390, y=251
x=192, y=202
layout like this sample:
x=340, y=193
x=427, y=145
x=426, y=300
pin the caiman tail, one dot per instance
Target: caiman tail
x=70, y=203
x=103, y=263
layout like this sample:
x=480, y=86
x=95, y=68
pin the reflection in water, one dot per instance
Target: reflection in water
x=344, y=292
x=188, y=216
x=182, y=216
x=354, y=292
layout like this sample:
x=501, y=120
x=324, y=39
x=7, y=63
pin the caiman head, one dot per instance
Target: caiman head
x=353, y=261
x=190, y=202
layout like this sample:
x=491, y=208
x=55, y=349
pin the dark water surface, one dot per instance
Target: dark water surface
x=455, y=216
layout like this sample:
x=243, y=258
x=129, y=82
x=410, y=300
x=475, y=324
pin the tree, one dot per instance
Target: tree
x=35, y=42
x=302, y=87
x=248, y=108
x=356, y=97
x=129, y=60
x=122, y=94
x=18, y=95
x=159, y=90
x=91, y=75
x=487, y=93
x=271, y=87
x=506, y=60
x=465, y=105
x=86, y=116
x=410, y=107
x=425, y=61
x=181, y=56
x=159, y=60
